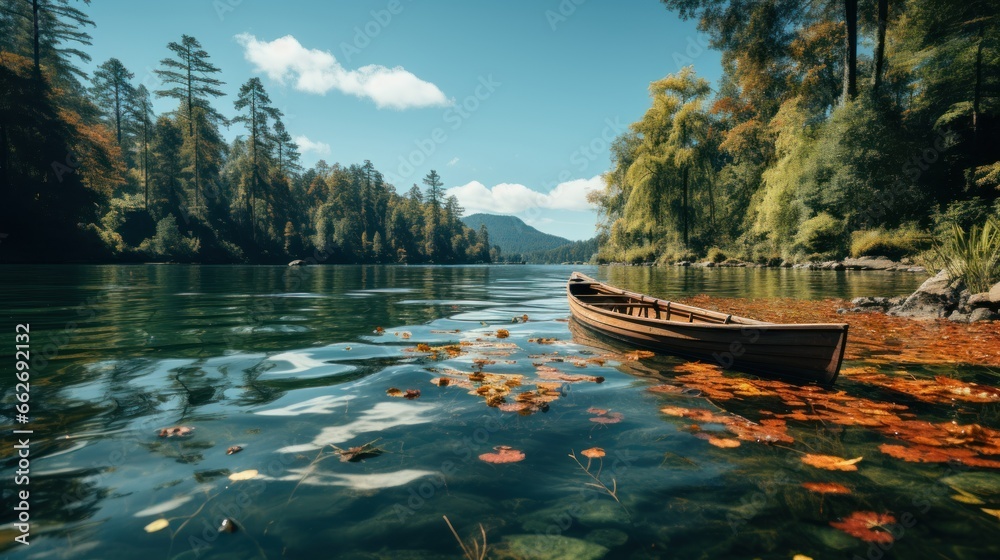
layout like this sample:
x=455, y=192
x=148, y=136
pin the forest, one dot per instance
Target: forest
x=90, y=173
x=839, y=127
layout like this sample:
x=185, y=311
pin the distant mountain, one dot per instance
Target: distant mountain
x=513, y=235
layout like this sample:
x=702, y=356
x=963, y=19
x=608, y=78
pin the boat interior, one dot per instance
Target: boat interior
x=595, y=294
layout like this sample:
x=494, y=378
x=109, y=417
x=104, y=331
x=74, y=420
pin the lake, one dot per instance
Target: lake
x=294, y=364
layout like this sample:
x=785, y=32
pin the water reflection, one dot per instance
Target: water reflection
x=286, y=361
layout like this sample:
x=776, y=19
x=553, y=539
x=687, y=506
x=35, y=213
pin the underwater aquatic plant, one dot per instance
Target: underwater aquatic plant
x=474, y=552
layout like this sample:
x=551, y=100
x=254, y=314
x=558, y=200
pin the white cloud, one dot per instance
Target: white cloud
x=453, y=162
x=307, y=145
x=508, y=198
x=316, y=71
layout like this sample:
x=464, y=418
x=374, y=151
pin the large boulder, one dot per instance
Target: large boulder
x=995, y=293
x=937, y=297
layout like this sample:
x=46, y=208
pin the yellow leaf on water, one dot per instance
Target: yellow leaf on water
x=801, y=557
x=993, y=512
x=157, y=525
x=966, y=498
x=243, y=475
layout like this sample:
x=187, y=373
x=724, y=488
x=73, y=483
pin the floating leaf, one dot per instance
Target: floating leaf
x=243, y=475
x=609, y=418
x=993, y=512
x=831, y=463
x=394, y=392
x=966, y=498
x=723, y=442
x=503, y=333
x=233, y=450
x=638, y=355
x=593, y=453
x=176, y=431
x=423, y=347
x=598, y=411
x=504, y=454
x=863, y=525
x=157, y=525
x=379, y=331
x=826, y=488
x=411, y=394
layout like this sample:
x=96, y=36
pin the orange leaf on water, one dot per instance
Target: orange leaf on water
x=504, y=454
x=826, y=488
x=831, y=463
x=593, y=453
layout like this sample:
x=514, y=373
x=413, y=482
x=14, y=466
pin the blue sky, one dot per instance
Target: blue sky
x=512, y=102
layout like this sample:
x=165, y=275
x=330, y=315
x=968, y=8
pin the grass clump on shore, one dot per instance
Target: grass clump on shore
x=973, y=255
x=894, y=244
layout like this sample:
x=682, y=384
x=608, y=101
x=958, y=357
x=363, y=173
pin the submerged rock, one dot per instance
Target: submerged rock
x=608, y=537
x=548, y=547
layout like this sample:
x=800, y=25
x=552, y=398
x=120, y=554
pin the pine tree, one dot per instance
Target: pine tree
x=113, y=92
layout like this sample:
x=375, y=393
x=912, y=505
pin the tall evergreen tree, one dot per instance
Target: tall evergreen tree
x=257, y=110
x=113, y=92
x=190, y=75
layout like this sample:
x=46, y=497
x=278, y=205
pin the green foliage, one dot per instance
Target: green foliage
x=905, y=241
x=168, y=241
x=972, y=255
x=715, y=255
x=821, y=235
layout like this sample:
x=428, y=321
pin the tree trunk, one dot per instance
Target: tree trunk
x=977, y=93
x=118, y=112
x=190, y=94
x=882, y=22
x=145, y=160
x=197, y=169
x=5, y=161
x=35, y=40
x=851, y=50
x=684, y=207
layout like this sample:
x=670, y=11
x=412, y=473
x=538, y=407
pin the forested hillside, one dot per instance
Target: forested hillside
x=90, y=173
x=512, y=235
x=862, y=127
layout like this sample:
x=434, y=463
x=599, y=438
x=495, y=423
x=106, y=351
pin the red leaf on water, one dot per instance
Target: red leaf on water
x=863, y=525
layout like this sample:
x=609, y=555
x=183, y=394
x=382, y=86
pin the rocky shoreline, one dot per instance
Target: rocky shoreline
x=860, y=263
x=937, y=298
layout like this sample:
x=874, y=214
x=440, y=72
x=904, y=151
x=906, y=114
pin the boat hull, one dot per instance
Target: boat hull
x=806, y=352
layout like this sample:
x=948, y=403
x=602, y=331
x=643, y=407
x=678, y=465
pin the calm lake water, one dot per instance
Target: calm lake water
x=286, y=363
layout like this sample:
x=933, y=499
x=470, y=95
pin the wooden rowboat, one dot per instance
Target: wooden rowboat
x=807, y=352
